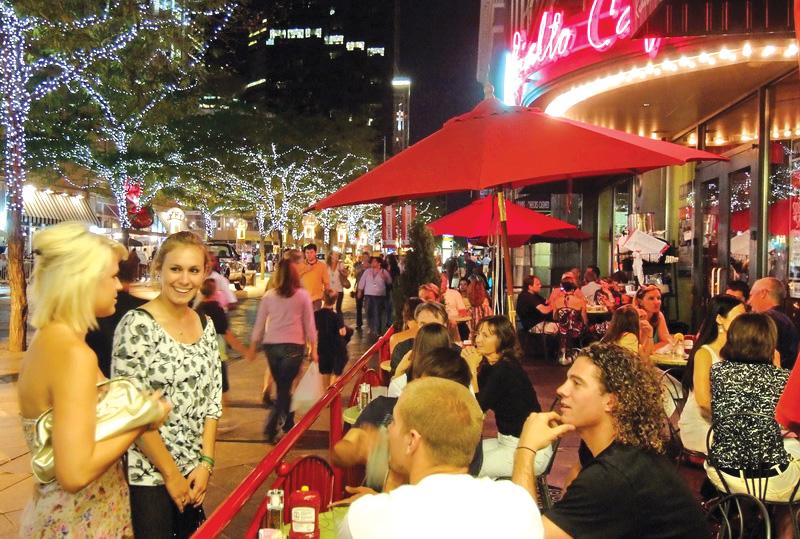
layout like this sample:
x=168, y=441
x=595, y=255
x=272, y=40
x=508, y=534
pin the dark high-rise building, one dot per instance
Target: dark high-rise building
x=323, y=57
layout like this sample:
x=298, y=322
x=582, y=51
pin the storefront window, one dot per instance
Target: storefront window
x=737, y=126
x=783, y=259
x=739, y=225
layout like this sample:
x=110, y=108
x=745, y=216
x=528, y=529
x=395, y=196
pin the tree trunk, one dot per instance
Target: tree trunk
x=262, y=254
x=18, y=321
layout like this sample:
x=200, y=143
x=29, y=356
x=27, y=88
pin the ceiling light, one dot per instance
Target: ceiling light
x=787, y=133
x=768, y=51
x=645, y=104
x=791, y=50
x=747, y=50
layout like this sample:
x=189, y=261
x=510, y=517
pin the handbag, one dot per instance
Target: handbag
x=343, y=277
x=121, y=407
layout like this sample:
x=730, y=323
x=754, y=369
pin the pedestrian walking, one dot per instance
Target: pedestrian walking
x=314, y=276
x=284, y=327
x=373, y=287
x=360, y=267
x=209, y=306
x=331, y=333
x=337, y=272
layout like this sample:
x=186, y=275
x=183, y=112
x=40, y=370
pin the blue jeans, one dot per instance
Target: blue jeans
x=376, y=313
x=284, y=361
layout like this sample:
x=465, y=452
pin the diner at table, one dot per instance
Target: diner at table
x=695, y=419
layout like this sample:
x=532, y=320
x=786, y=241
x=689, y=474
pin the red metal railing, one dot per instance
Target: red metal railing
x=230, y=507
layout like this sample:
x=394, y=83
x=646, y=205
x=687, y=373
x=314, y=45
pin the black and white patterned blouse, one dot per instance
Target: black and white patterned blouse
x=190, y=377
x=747, y=387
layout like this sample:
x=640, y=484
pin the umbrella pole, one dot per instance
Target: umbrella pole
x=501, y=204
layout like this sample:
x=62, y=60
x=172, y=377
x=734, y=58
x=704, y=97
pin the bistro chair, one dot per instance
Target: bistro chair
x=310, y=471
x=756, y=473
x=547, y=331
x=736, y=516
x=570, y=329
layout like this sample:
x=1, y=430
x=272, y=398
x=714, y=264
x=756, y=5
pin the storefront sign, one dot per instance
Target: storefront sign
x=389, y=226
x=608, y=21
x=409, y=213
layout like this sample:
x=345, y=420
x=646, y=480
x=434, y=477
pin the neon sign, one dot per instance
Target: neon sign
x=608, y=22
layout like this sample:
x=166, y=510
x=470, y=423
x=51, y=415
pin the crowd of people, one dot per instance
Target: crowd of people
x=452, y=362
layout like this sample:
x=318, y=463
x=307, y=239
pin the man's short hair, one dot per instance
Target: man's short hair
x=774, y=287
x=446, y=415
x=444, y=363
x=528, y=280
x=436, y=309
x=741, y=287
x=638, y=413
x=310, y=247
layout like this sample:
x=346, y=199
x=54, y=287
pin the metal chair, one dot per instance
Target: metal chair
x=755, y=472
x=546, y=498
x=369, y=376
x=737, y=516
x=308, y=470
x=571, y=330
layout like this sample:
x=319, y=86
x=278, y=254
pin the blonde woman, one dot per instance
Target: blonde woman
x=74, y=282
x=167, y=346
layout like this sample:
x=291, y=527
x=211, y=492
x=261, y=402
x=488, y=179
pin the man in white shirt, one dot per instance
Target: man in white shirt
x=436, y=425
x=591, y=286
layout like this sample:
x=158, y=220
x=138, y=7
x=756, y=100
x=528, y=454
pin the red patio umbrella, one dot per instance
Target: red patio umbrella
x=496, y=146
x=499, y=146
x=481, y=219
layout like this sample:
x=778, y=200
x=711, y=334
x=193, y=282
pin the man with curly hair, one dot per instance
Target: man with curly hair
x=625, y=487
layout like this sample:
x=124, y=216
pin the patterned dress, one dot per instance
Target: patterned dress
x=189, y=375
x=101, y=510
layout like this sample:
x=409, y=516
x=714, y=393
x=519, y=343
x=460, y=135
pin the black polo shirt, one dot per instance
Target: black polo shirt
x=627, y=493
x=527, y=312
x=787, y=337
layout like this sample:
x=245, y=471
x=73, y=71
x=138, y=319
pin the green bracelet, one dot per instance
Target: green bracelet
x=208, y=460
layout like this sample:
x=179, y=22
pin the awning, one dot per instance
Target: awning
x=41, y=208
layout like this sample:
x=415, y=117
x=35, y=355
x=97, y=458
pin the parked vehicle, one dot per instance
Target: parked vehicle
x=230, y=263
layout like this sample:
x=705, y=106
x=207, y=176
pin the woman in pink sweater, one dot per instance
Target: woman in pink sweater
x=284, y=328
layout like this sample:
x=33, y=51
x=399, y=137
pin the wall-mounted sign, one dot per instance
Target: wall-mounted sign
x=553, y=38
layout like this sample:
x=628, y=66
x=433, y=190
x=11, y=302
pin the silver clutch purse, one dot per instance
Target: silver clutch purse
x=121, y=407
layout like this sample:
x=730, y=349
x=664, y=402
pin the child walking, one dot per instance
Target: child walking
x=331, y=346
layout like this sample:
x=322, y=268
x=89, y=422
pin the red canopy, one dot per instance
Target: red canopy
x=496, y=145
x=481, y=219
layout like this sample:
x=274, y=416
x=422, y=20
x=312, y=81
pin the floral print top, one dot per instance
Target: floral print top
x=745, y=443
x=189, y=375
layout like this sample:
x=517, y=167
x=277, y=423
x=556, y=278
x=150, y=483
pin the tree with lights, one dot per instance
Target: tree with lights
x=41, y=55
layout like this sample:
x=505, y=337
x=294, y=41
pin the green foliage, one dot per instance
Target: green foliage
x=420, y=268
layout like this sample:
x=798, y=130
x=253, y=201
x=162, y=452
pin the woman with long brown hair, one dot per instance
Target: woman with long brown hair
x=503, y=387
x=284, y=327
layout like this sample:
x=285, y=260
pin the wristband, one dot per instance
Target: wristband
x=208, y=460
x=527, y=449
x=207, y=466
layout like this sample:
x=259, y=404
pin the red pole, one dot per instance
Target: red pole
x=336, y=431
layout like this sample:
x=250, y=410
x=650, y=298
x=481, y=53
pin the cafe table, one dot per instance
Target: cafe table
x=668, y=360
x=329, y=522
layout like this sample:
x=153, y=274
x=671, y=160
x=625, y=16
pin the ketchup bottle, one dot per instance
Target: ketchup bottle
x=304, y=505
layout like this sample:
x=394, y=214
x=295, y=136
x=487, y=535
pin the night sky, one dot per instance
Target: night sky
x=438, y=51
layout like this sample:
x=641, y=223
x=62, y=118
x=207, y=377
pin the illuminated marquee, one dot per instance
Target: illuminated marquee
x=608, y=22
